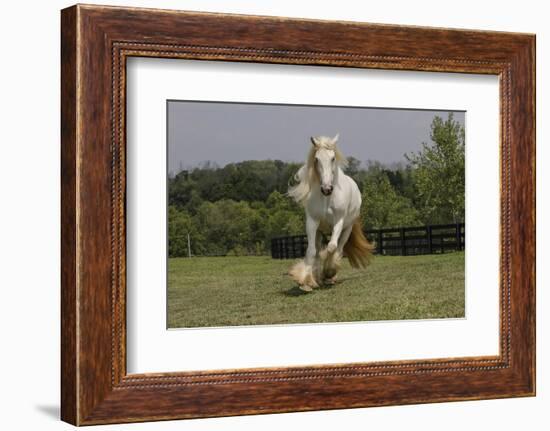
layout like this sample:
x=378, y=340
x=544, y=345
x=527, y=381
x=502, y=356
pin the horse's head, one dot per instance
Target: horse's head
x=326, y=158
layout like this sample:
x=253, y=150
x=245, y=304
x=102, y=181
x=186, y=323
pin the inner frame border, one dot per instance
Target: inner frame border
x=122, y=50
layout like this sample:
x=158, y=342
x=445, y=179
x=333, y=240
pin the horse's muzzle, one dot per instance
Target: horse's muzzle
x=327, y=190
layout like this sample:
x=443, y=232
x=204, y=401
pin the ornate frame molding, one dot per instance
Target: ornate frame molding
x=96, y=41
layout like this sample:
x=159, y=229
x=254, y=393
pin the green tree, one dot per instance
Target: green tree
x=438, y=172
x=353, y=169
x=277, y=200
x=383, y=207
x=283, y=222
x=284, y=217
x=180, y=189
x=180, y=225
x=229, y=225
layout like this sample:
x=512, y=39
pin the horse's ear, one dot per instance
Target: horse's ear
x=335, y=139
x=315, y=141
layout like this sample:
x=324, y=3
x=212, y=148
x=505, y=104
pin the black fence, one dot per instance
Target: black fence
x=404, y=241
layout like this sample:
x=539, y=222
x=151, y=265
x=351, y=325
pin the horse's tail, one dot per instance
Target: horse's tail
x=358, y=249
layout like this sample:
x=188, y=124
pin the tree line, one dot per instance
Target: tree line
x=236, y=209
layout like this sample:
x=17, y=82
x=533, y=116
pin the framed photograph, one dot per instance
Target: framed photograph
x=263, y=214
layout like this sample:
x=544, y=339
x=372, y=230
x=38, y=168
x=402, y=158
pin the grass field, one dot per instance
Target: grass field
x=229, y=291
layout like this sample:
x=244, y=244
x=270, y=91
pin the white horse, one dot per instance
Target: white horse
x=332, y=202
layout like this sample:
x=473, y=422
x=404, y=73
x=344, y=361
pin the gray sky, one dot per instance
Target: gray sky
x=233, y=132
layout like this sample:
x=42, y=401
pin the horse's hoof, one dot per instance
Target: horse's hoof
x=306, y=288
x=330, y=281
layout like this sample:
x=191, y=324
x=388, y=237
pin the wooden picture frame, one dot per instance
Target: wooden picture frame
x=95, y=43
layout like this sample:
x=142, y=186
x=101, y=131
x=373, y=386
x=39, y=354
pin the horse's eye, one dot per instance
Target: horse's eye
x=333, y=159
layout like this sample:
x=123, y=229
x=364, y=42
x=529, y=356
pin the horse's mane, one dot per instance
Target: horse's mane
x=307, y=175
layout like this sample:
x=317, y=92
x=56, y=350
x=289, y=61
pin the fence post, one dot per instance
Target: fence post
x=379, y=240
x=458, y=237
x=290, y=247
x=430, y=243
x=403, y=244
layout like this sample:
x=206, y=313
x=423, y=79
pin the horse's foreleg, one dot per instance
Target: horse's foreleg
x=303, y=272
x=312, y=258
x=311, y=230
x=318, y=241
x=336, y=232
x=333, y=258
x=318, y=263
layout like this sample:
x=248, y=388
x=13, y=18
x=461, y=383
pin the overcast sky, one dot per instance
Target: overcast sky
x=233, y=132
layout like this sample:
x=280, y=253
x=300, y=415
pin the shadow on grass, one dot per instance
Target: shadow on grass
x=328, y=286
x=296, y=291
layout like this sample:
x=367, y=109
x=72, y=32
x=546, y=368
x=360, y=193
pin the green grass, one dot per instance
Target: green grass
x=229, y=291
